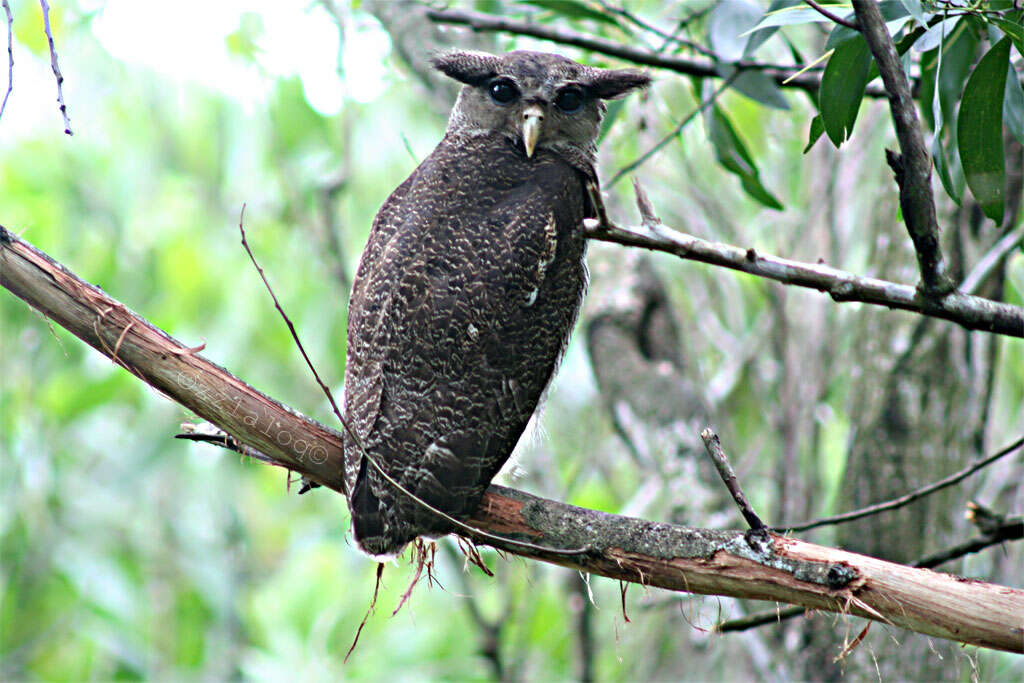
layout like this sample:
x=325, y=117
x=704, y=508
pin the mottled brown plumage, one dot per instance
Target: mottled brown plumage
x=468, y=288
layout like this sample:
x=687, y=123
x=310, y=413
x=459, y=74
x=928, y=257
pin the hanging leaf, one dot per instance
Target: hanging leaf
x=1014, y=30
x=915, y=10
x=893, y=13
x=980, y=130
x=757, y=38
x=614, y=109
x=727, y=26
x=756, y=85
x=842, y=89
x=817, y=128
x=958, y=55
x=1013, y=106
x=733, y=155
x=931, y=38
x=930, y=75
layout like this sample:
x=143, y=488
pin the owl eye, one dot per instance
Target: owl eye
x=503, y=91
x=569, y=100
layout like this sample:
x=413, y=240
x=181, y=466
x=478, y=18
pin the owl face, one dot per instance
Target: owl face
x=536, y=100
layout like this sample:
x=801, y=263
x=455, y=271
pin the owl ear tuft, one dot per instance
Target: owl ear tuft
x=613, y=84
x=471, y=68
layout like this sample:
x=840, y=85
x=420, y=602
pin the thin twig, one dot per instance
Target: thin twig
x=707, y=102
x=972, y=312
x=1010, y=530
x=477, y=21
x=912, y=166
x=668, y=38
x=56, y=69
x=987, y=263
x=369, y=611
x=10, y=56
x=907, y=498
x=832, y=17
x=714, y=448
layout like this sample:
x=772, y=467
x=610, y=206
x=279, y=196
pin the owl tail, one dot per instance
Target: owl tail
x=368, y=520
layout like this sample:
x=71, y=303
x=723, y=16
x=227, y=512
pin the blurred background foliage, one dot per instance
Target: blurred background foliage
x=127, y=554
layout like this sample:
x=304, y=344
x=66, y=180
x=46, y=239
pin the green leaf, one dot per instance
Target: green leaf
x=1013, y=106
x=915, y=10
x=757, y=38
x=727, y=26
x=614, y=109
x=893, y=12
x=958, y=56
x=788, y=16
x=952, y=184
x=1013, y=29
x=934, y=36
x=817, y=128
x=733, y=155
x=574, y=9
x=842, y=88
x=980, y=130
x=756, y=85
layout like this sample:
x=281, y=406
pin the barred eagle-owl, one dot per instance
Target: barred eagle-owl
x=468, y=288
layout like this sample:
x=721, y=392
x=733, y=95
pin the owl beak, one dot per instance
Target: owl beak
x=533, y=116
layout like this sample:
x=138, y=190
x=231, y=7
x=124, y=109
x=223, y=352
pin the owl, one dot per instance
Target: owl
x=468, y=289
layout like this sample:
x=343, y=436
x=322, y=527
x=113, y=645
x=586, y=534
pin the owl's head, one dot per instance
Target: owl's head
x=536, y=100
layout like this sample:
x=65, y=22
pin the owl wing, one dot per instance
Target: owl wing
x=459, y=330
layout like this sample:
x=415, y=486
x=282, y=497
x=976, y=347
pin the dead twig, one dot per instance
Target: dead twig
x=53, y=65
x=907, y=498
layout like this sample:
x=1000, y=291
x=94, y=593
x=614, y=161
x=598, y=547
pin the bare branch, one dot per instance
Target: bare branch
x=56, y=69
x=790, y=78
x=913, y=165
x=987, y=263
x=832, y=17
x=972, y=312
x=909, y=497
x=671, y=135
x=725, y=471
x=623, y=548
x=10, y=56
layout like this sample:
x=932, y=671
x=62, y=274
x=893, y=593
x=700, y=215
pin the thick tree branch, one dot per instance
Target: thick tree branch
x=1006, y=530
x=913, y=166
x=787, y=78
x=767, y=567
x=972, y=312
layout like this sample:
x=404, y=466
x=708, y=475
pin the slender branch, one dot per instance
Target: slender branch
x=912, y=166
x=714, y=448
x=830, y=16
x=987, y=263
x=791, y=78
x=668, y=38
x=622, y=548
x=56, y=69
x=1008, y=530
x=671, y=135
x=907, y=498
x=10, y=56
x=972, y=312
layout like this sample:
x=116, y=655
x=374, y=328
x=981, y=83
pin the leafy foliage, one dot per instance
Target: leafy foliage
x=126, y=554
